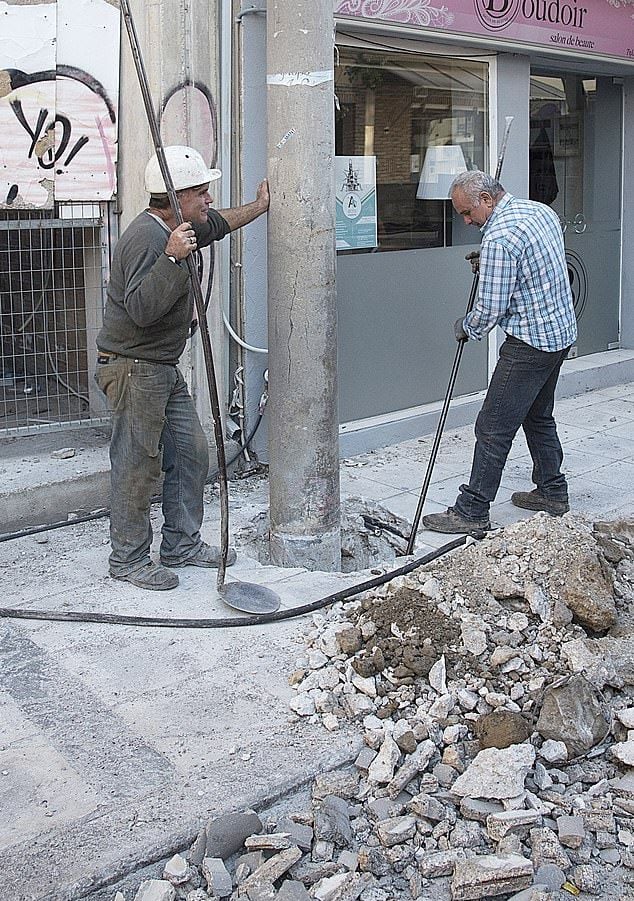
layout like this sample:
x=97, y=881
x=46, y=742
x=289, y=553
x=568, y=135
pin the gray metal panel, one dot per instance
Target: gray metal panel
x=396, y=345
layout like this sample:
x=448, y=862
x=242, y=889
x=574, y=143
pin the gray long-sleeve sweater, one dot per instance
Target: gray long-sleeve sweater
x=149, y=306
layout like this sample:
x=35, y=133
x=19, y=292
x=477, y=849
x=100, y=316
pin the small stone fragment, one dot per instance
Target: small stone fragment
x=571, y=831
x=155, y=890
x=176, y=870
x=217, y=877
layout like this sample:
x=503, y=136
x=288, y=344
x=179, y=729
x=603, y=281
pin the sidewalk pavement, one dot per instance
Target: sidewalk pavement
x=117, y=742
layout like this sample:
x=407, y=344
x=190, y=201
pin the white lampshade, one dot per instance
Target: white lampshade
x=441, y=166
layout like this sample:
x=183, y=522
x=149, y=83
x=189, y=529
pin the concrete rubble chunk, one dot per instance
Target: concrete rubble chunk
x=350, y=888
x=364, y=759
x=396, y=830
x=415, y=764
x=475, y=809
x=423, y=805
x=573, y=713
x=381, y=769
x=438, y=863
x=308, y=872
x=438, y=676
x=603, y=661
x=554, y=751
x=588, y=594
x=626, y=717
x=536, y=892
x=571, y=831
x=332, y=821
x=265, y=891
x=155, y=890
x=274, y=841
x=292, y=891
x=496, y=773
x=342, y=783
x=518, y=822
x=489, y=876
x=176, y=870
x=586, y=878
x=226, y=833
x=300, y=834
x=271, y=869
x=624, y=752
x=551, y=875
x=217, y=877
x=545, y=848
x=326, y=889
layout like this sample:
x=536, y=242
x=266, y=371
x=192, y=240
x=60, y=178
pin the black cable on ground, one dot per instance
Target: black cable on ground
x=102, y=514
x=231, y=622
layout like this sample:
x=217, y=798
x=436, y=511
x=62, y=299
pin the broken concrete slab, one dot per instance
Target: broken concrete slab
x=489, y=876
x=497, y=773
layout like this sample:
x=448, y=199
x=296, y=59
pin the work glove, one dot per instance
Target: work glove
x=459, y=332
x=474, y=259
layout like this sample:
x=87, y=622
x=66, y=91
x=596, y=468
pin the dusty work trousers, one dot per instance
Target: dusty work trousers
x=154, y=426
x=521, y=393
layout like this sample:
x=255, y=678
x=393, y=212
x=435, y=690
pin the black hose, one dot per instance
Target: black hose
x=222, y=622
x=101, y=514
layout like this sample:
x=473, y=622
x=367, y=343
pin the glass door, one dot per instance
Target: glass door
x=575, y=167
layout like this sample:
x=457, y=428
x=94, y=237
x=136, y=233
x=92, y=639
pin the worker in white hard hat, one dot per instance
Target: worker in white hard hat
x=146, y=323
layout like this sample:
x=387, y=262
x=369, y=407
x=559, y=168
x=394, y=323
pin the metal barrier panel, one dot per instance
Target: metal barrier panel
x=54, y=266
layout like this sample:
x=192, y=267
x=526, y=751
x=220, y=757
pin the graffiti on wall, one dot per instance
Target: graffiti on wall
x=59, y=65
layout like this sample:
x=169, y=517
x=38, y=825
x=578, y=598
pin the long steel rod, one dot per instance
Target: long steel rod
x=196, y=287
x=454, y=374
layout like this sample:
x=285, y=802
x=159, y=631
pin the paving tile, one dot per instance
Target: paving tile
x=595, y=499
x=604, y=445
x=623, y=392
x=619, y=475
x=604, y=414
x=40, y=792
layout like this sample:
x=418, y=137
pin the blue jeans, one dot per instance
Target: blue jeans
x=521, y=393
x=154, y=427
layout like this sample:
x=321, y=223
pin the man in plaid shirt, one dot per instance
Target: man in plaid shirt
x=525, y=289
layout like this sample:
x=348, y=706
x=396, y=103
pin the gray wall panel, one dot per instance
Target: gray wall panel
x=396, y=344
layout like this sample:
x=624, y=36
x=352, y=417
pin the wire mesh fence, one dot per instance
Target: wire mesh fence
x=54, y=265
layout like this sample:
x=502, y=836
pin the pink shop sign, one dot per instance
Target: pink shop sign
x=580, y=27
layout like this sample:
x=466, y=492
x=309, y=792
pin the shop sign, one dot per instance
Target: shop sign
x=581, y=27
x=355, y=192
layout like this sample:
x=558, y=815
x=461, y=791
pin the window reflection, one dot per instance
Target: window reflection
x=425, y=119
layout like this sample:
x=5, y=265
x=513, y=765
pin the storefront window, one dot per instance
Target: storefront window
x=424, y=119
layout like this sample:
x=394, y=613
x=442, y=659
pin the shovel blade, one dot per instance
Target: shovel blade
x=250, y=598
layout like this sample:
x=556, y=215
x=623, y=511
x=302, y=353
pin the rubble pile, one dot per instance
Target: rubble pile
x=494, y=693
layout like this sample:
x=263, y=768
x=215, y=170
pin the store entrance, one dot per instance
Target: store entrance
x=575, y=167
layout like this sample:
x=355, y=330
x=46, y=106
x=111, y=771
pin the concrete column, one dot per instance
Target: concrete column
x=303, y=415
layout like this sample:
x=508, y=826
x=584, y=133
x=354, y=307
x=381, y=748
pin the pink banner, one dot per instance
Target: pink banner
x=579, y=27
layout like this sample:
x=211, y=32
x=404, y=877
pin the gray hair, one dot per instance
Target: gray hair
x=474, y=182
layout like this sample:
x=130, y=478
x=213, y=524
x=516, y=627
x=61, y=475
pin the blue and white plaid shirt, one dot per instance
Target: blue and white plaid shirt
x=524, y=284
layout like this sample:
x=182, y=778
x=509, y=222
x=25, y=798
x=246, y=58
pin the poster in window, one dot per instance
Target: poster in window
x=355, y=191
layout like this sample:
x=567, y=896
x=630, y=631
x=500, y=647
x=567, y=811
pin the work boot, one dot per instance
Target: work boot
x=204, y=555
x=151, y=576
x=535, y=500
x=453, y=522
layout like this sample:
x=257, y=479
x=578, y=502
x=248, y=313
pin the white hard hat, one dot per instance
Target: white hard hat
x=186, y=166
